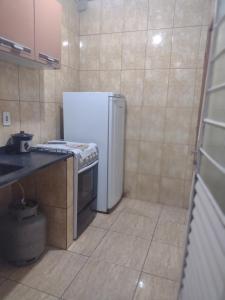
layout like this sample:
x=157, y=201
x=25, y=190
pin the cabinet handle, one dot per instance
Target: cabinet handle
x=14, y=45
x=49, y=59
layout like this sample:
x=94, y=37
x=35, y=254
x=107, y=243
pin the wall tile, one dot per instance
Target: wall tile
x=185, y=46
x=188, y=13
x=152, y=124
x=161, y=13
x=74, y=50
x=172, y=191
x=132, y=82
x=156, y=87
x=177, y=125
x=208, y=12
x=30, y=119
x=48, y=121
x=73, y=16
x=193, y=127
x=202, y=46
x=181, y=88
x=88, y=24
x=14, y=109
x=63, y=82
x=131, y=155
x=198, y=87
x=174, y=161
x=9, y=81
x=112, y=16
x=110, y=51
x=89, y=81
x=133, y=122
x=135, y=15
x=64, y=46
x=158, y=50
x=56, y=226
x=89, y=52
x=150, y=158
x=187, y=193
x=47, y=85
x=189, y=164
x=130, y=184
x=29, y=84
x=134, y=44
x=148, y=187
x=59, y=120
x=110, y=81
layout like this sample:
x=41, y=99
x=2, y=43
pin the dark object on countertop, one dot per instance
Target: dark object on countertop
x=19, y=143
x=23, y=233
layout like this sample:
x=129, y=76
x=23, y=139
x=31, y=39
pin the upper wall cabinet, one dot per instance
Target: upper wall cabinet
x=17, y=27
x=47, y=31
x=30, y=32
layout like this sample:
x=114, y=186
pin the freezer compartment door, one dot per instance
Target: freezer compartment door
x=116, y=150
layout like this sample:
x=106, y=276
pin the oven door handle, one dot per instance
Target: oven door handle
x=88, y=167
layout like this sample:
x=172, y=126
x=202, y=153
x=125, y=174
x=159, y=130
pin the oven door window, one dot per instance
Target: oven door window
x=87, y=187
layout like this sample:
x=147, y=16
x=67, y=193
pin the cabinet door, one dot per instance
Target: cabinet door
x=48, y=32
x=17, y=27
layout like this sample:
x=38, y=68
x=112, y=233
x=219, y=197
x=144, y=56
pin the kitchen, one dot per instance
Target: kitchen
x=151, y=54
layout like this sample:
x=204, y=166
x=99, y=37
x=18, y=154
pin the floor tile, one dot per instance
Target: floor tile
x=142, y=208
x=164, y=260
x=173, y=214
x=53, y=273
x=140, y=226
x=10, y=290
x=103, y=280
x=156, y=288
x=105, y=221
x=119, y=207
x=88, y=241
x=126, y=250
x=170, y=233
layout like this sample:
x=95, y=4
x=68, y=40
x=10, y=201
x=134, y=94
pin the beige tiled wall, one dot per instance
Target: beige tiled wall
x=34, y=96
x=151, y=51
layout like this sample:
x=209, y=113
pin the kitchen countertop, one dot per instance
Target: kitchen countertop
x=30, y=162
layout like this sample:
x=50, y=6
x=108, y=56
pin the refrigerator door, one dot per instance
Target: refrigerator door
x=86, y=120
x=116, y=150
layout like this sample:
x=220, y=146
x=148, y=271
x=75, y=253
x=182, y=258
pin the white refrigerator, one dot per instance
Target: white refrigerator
x=99, y=117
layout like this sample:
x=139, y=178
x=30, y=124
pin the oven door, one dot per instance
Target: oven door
x=87, y=186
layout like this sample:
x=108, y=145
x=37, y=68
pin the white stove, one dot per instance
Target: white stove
x=85, y=178
x=86, y=153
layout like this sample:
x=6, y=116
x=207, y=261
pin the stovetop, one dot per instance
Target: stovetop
x=86, y=153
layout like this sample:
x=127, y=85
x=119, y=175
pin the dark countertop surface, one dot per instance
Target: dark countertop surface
x=30, y=162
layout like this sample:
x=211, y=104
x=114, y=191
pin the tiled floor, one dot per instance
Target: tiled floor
x=133, y=253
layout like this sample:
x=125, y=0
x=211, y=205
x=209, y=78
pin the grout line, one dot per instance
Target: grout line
x=141, y=30
x=141, y=69
x=88, y=259
x=33, y=288
x=147, y=254
x=162, y=277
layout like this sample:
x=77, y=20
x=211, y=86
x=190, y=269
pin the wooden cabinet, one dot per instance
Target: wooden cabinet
x=31, y=29
x=47, y=31
x=17, y=27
